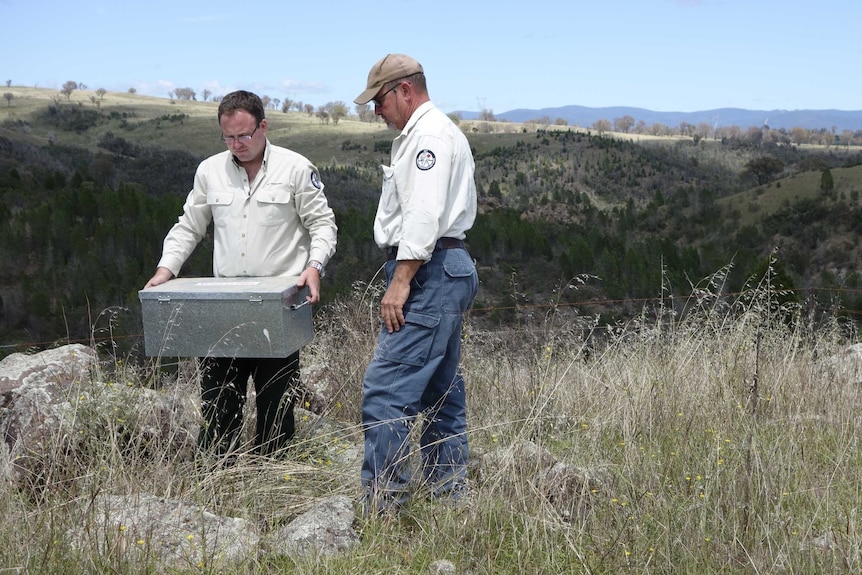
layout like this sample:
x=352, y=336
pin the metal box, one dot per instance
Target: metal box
x=226, y=317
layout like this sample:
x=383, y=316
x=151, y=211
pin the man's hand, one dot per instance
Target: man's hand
x=161, y=276
x=392, y=304
x=311, y=278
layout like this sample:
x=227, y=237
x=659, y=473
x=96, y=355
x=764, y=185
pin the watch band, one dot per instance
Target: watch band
x=318, y=266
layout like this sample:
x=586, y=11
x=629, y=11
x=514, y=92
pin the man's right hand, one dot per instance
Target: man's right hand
x=161, y=276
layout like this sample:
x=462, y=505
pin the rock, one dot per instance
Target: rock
x=524, y=459
x=174, y=533
x=441, y=567
x=325, y=529
x=35, y=395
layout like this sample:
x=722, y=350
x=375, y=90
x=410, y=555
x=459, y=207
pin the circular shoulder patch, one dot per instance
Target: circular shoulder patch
x=315, y=180
x=425, y=160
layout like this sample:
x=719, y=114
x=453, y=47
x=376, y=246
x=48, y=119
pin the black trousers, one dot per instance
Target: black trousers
x=224, y=384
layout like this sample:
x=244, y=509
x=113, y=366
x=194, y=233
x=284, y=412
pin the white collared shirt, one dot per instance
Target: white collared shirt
x=428, y=188
x=270, y=227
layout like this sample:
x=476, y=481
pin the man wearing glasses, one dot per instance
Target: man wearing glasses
x=428, y=203
x=270, y=218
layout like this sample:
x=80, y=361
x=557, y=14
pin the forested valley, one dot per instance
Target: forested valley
x=570, y=221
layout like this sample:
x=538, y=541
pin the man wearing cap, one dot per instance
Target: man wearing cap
x=428, y=203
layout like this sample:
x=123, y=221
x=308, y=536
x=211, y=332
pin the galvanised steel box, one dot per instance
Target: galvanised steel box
x=226, y=317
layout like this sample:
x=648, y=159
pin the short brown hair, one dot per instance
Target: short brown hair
x=242, y=100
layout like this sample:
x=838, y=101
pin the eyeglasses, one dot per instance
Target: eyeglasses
x=378, y=101
x=244, y=139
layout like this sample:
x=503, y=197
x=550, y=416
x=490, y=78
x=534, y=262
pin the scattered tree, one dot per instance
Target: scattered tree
x=337, y=110
x=763, y=169
x=206, y=94
x=286, y=105
x=68, y=88
x=9, y=96
x=265, y=100
x=185, y=94
x=366, y=113
x=101, y=93
x=601, y=126
x=8, y=83
x=309, y=109
x=623, y=124
x=487, y=115
x=133, y=90
x=826, y=182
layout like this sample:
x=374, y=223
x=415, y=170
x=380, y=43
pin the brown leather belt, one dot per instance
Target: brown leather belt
x=442, y=244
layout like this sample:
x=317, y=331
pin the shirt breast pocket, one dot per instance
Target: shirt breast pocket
x=274, y=206
x=389, y=197
x=219, y=201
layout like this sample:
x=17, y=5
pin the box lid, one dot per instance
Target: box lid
x=264, y=288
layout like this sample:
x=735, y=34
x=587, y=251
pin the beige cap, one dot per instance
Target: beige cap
x=391, y=67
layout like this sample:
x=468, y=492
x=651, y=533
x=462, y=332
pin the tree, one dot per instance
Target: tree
x=286, y=105
x=206, y=94
x=487, y=115
x=68, y=88
x=185, y=94
x=9, y=96
x=601, y=126
x=826, y=183
x=309, y=109
x=323, y=114
x=133, y=90
x=8, y=83
x=265, y=100
x=101, y=93
x=799, y=135
x=337, y=110
x=763, y=169
x=624, y=124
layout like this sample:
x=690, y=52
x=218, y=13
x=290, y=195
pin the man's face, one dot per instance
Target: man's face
x=235, y=129
x=388, y=105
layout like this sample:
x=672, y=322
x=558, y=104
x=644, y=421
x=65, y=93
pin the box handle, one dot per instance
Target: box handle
x=298, y=305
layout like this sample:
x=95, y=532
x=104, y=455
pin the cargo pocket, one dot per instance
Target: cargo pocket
x=458, y=268
x=412, y=343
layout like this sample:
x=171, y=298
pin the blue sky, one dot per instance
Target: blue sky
x=664, y=55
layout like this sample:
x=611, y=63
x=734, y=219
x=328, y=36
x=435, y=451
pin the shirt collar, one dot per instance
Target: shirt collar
x=417, y=113
x=266, y=149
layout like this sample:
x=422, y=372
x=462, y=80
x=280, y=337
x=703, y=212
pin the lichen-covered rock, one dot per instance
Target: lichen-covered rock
x=325, y=529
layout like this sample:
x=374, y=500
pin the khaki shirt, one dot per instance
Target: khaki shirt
x=428, y=188
x=272, y=227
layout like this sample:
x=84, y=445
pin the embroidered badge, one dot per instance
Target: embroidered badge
x=315, y=180
x=426, y=160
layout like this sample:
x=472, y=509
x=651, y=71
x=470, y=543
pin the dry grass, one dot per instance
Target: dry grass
x=725, y=437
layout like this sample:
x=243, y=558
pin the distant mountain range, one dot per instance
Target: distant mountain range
x=583, y=116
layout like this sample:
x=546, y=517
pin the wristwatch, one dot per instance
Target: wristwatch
x=318, y=266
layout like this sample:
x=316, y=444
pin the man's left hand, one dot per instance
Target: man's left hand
x=311, y=278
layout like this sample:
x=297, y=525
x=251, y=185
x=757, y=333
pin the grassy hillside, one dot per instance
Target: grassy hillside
x=89, y=188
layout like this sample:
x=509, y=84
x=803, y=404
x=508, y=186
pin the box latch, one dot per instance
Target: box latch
x=164, y=298
x=255, y=299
